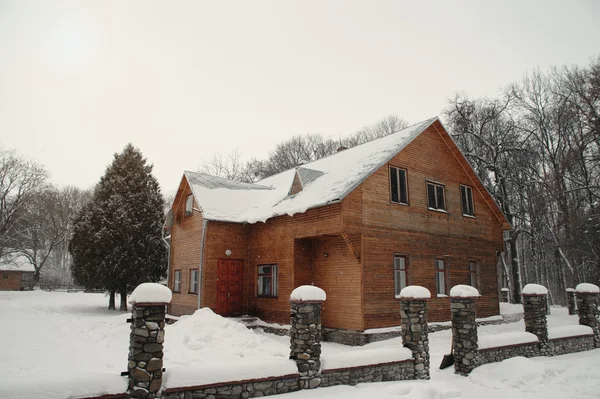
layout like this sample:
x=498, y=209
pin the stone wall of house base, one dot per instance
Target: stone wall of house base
x=563, y=346
x=556, y=347
x=236, y=389
x=395, y=371
x=498, y=354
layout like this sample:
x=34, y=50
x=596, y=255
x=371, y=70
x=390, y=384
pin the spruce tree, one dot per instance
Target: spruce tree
x=117, y=239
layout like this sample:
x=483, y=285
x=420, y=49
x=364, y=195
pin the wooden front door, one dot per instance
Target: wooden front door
x=229, y=287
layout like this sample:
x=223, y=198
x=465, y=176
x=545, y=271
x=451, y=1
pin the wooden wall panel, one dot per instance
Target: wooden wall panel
x=380, y=306
x=273, y=242
x=186, y=234
x=12, y=282
x=339, y=274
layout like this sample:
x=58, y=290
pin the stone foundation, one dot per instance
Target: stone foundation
x=396, y=371
x=563, y=346
x=236, y=390
x=498, y=354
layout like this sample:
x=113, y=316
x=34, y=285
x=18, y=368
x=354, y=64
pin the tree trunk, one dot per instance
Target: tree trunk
x=36, y=277
x=514, y=268
x=111, y=300
x=123, y=294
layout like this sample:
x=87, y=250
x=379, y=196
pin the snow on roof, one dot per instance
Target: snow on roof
x=308, y=293
x=587, y=288
x=534, y=289
x=331, y=179
x=415, y=292
x=16, y=263
x=150, y=293
x=463, y=291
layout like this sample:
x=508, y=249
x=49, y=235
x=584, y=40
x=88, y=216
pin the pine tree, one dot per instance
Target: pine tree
x=117, y=243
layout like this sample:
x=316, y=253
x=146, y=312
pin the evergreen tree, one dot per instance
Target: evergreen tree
x=117, y=243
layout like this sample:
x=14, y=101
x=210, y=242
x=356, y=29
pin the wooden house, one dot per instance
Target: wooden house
x=16, y=273
x=405, y=209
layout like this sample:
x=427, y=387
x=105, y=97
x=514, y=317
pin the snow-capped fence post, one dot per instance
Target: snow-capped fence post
x=464, y=328
x=571, y=301
x=305, y=334
x=145, y=365
x=535, y=304
x=505, y=294
x=587, y=308
x=413, y=311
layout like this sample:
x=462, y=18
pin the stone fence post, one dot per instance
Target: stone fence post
x=587, y=308
x=145, y=363
x=535, y=305
x=464, y=328
x=305, y=334
x=413, y=311
x=571, y=301
x=505, y=292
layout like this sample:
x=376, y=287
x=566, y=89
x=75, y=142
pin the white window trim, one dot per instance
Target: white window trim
x=435, y=185
x=472, y=201
x=176, y=281
x=274, y=281
x=405, y=270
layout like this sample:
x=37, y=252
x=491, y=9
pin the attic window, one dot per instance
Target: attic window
x=189, y=203
x=436, y=197
x=398, y=187
x=466, y=196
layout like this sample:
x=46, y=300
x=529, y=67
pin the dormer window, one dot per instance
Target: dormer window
x=189, y=203
x=398, y=186
x=436, y=197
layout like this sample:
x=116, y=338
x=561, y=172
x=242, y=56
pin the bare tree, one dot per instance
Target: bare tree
x=20, y=180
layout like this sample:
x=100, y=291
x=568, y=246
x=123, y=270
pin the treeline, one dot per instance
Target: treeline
x=36, y=217
x=296, y=151
x=537, y=148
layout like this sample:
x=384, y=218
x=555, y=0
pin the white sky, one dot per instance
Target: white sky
x=182, y=80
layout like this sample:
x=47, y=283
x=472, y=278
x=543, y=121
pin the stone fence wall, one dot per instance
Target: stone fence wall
x=468, y=355
x=393, y=371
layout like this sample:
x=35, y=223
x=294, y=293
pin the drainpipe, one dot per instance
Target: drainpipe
x=168, y=247
x=200, y=266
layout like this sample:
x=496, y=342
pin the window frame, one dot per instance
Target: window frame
x=473, y=273
x=177, y=282
x=273, y=275
x=399, y=202
x=194, y=281
x=444, y=272
x=188, y=212
x=435, y=191
x=405, y=270
x=462, y=202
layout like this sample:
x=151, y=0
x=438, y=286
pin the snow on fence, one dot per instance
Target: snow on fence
x=471, y=351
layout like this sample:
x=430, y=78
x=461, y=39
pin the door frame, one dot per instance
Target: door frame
x=227, y=312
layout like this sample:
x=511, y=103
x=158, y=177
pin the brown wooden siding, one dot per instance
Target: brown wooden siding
x=274, y=242
x=421, y=233
x=12, y=281
x=186, y=235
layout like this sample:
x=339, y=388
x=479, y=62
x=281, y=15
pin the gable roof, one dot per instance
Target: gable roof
x=324, y=181
x=16, y=263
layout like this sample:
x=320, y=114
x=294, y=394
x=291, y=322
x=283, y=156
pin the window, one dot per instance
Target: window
x=189, y=203
x=435, y=196
x=398, y=185
x=267, y=280
x=440, y=276
x=193, y=281
x=177, y=282
x=466, y=198
x=473, y=274
x=5, y=277
x=400, y=280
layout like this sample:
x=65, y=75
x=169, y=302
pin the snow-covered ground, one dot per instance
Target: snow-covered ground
x=61, y=345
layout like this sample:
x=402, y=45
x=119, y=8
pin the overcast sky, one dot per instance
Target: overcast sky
x=183, y=80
